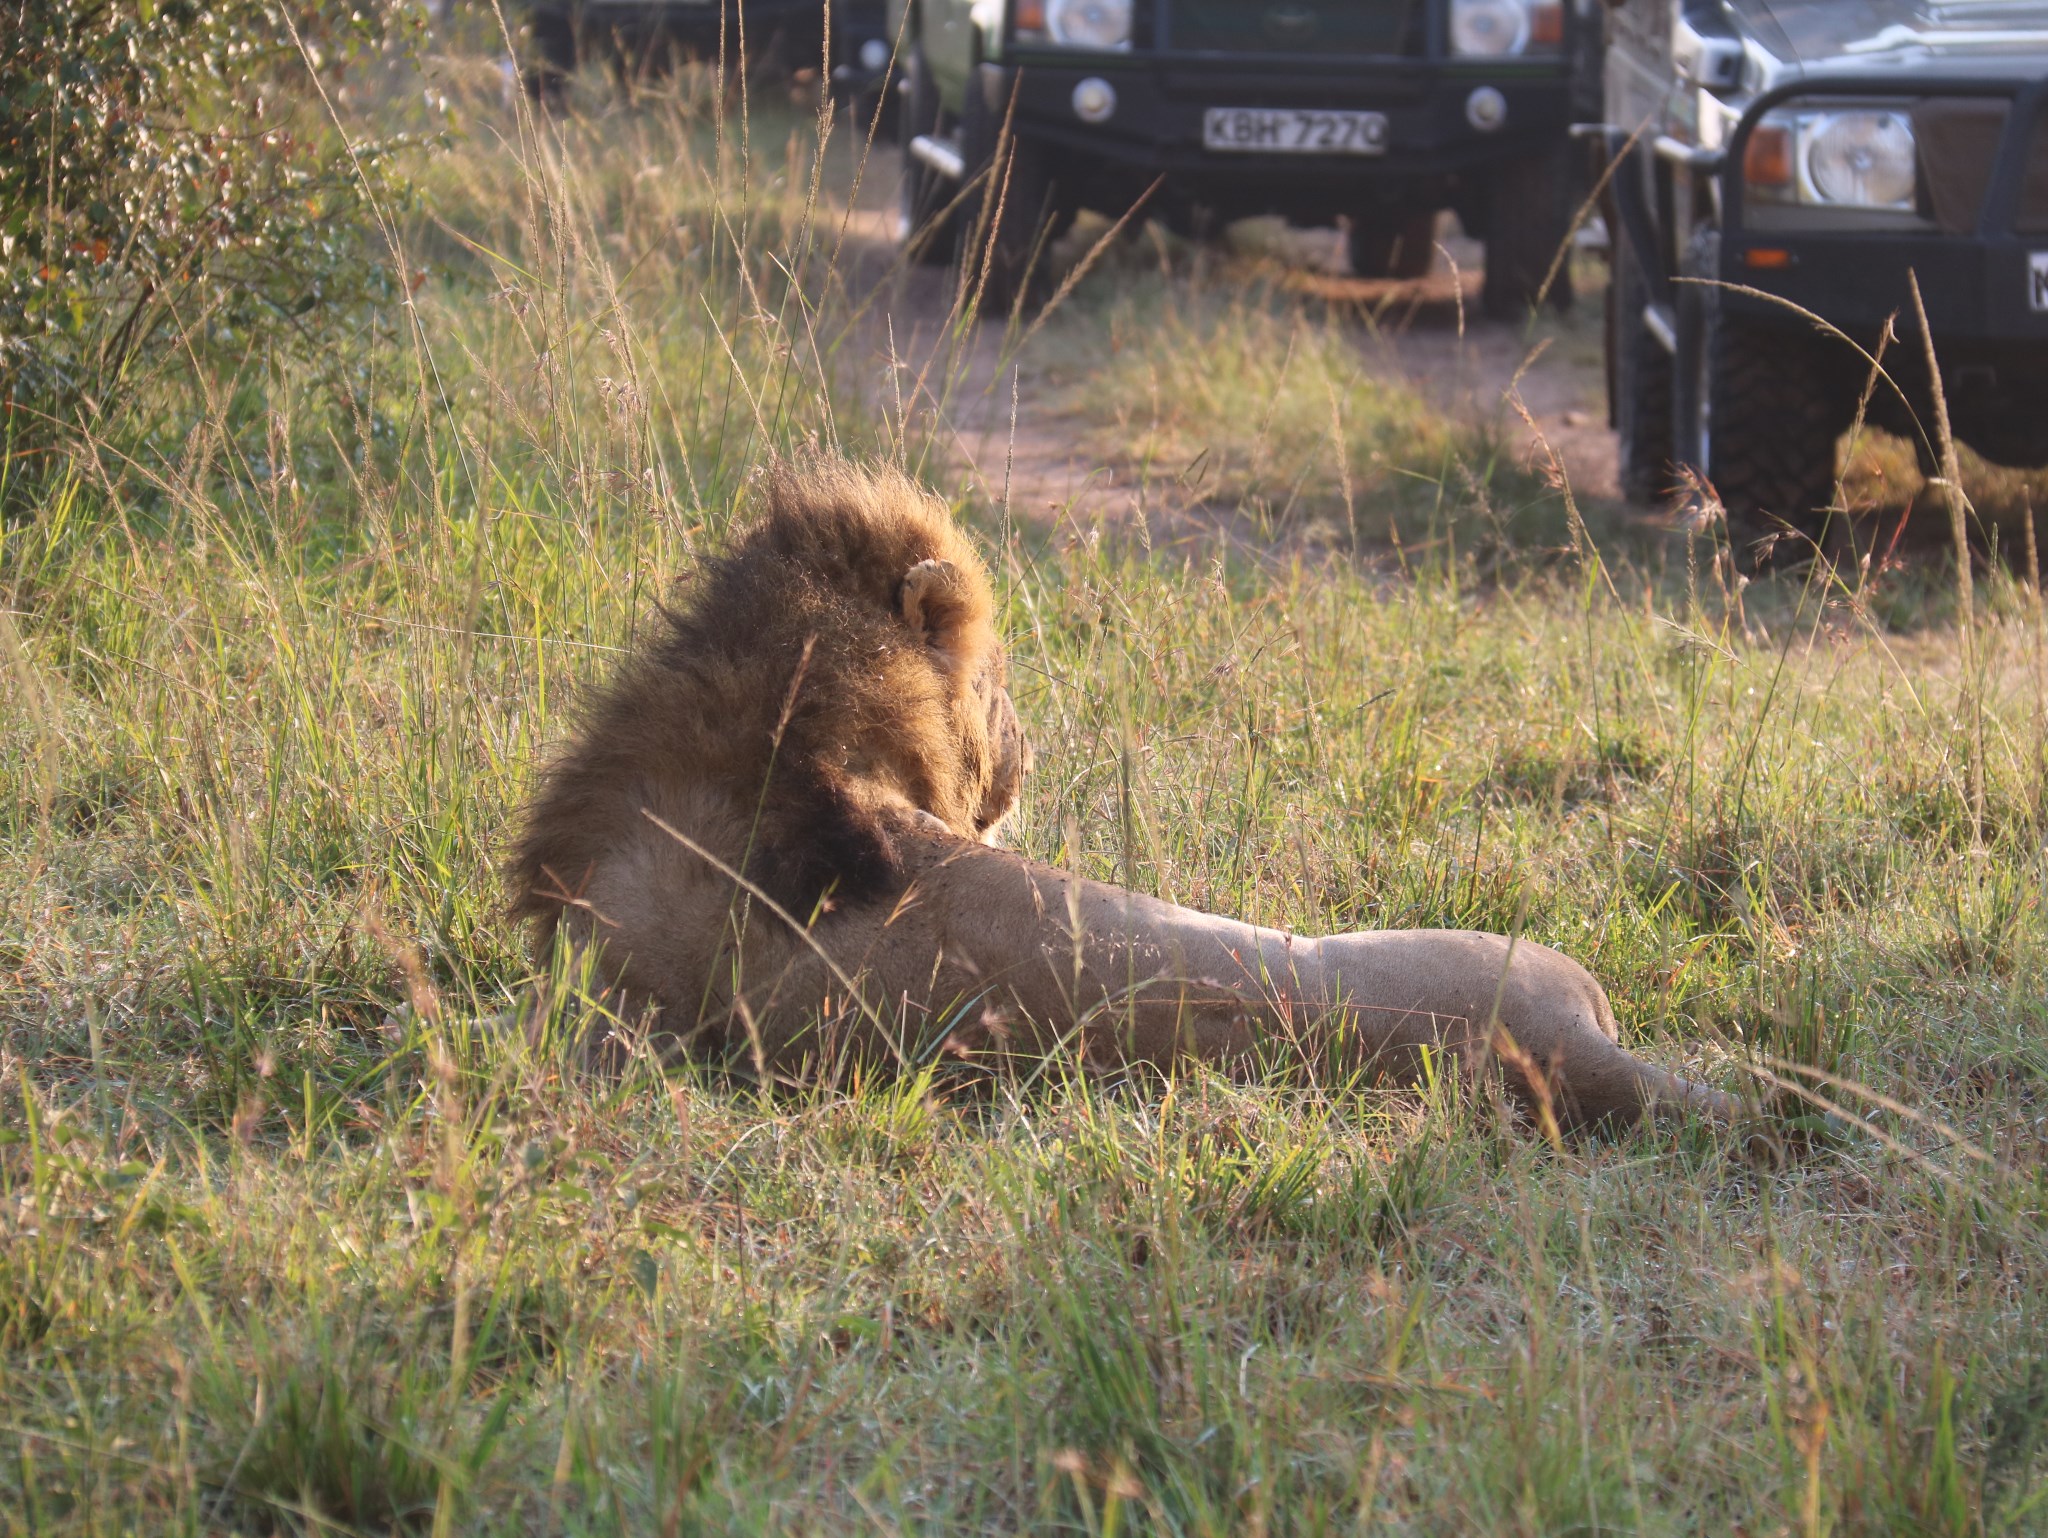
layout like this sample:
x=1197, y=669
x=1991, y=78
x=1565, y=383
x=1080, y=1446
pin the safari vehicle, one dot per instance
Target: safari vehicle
x=1783, y=167
x=565, y=32
x=1383, y=112
x=863, y=45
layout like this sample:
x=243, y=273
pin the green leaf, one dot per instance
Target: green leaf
x=646, y=1273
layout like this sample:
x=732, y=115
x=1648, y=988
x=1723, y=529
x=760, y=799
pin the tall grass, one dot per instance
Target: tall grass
x=297, y=1235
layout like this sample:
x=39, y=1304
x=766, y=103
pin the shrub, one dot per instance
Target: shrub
x=172, y=194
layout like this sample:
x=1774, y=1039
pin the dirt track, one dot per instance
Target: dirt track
x=1002, y=428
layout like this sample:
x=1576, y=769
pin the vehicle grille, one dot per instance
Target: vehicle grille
x=1958, y=140
x=1357, y=27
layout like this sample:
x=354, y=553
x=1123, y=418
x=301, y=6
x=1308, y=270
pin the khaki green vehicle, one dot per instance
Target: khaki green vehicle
x=1379, y=112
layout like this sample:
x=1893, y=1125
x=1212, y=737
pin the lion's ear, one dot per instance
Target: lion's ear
x=939, y=603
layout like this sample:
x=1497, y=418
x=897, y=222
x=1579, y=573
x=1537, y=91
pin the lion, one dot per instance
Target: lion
x=775, y=830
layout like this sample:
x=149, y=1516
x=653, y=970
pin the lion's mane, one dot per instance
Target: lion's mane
x=833, y=672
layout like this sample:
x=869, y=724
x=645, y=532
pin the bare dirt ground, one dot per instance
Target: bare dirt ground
x=1011, y=440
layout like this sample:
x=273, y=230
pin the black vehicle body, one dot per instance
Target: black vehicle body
x=864, y=42
x=566, y=31
x=1505, y=169
x=1717, y=258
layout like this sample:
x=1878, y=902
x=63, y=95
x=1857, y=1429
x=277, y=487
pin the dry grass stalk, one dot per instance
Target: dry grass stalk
x=1970, y=705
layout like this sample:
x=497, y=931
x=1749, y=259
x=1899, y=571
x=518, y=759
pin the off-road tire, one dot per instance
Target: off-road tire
x=1403, y=248
x=880, y=106
x=927, y=230
x=1757, y=410
x=1528, y=217
x=1011, y=217
x=1638, y=379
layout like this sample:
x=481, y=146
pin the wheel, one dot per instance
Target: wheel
x=1638, y=379
x=1528, y=219
x=1012, y=214
x=1403, y=249
x=1195, y=223
x=791, y=47
x=1757, y=409
x=926, y=220
x=878, y=107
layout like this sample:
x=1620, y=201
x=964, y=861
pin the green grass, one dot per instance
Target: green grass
x=1263, y=406
x=296, y=1235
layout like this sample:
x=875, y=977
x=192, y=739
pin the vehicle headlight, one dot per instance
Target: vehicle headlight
x=1100, y=24
x=1861, y=159
x=1490, y=29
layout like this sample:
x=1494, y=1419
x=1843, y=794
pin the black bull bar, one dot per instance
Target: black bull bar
x=1978, y=285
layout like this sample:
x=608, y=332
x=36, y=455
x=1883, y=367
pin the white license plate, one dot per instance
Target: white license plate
x=1288, y=131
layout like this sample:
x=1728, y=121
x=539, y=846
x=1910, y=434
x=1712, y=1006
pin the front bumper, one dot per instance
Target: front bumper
x=1990, y=291
x=1157, y=126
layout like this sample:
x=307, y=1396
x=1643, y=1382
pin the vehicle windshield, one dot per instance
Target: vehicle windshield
x=1811, y=30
